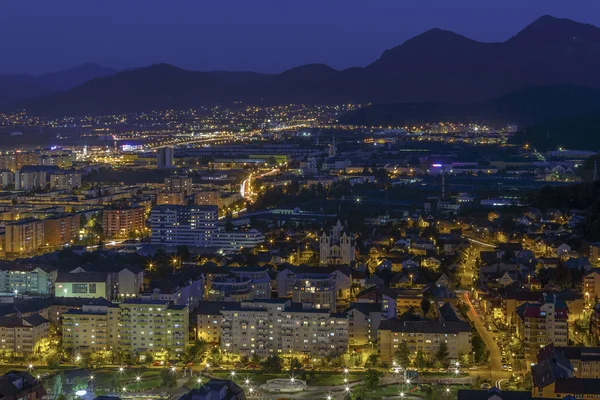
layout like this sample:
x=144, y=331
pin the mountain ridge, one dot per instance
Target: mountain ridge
x=435, y=66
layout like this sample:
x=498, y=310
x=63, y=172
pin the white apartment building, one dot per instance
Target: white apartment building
x=175, y=225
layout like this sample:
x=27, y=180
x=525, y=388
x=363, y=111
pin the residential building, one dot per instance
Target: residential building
x=380, y=295
x=207, y=197
x=551, y=365
x=20, y=385
x=233, y=241
x=27, y=279
x=34, y=177
x=65, y=180
x=94, y=327
x=512, y=299
x=425, y=336
x=7, y=178
x=135, y=326
x=153, y=326
x=585, y=360
x=339, y=275
x=281, y=327
x=595, y=320
x=19, y=335
x=542, y=323
x=595, y=253
x=61, y=230
x=83, y=284
x=120, y=221
x=164, y=158
x=363, y=323
x=209, y=319
x=216, y=389
x=315, y=289
x=230, y=288
x=25, y=236
x=183, y=225
x=126, y=282
x=493, y=393
x=174, y=198
x=28, y=158
x=337, y=247
x=179, y=183
x=591, y=287
x=261, y=281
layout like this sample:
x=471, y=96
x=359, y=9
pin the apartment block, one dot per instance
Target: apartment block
x=315, y=289
x=591, y=288
x=153, y=326
x=179, y=183
x=281, y=327
x=174, y=198
x=119, y=222
x=27, y=279
x=183, y=225
x=542, y=323
x=25, y=236
x=363, y=323
x=61, y=230
x=92, y=328
x=19, y=335
x=425, y=336
x=209, y=319
x=585, y=360
x=65, y=180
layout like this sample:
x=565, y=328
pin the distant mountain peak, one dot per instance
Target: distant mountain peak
x=548, y=29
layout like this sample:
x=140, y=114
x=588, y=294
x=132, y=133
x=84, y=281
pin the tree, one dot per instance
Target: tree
x=196, y=352
x=442, y=353
x=402, y=355
x=371, y=379
x=420, y=360
x=168, y=378
x=273, y=364
x=431, y=393
x=295, y=365
x=425, y=306
x=57, y=384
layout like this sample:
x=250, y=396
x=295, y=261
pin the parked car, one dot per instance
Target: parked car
x=473, y=368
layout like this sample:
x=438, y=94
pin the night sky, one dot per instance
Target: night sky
x=39, y=36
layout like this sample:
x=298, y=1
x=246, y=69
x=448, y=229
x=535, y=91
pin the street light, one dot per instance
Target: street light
x=232, y=373
x=121, y=369
x=138, y=378
x=247, y=381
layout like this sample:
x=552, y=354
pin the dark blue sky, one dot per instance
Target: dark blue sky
x=39, y=36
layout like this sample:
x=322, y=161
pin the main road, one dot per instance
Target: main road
x=496, y=371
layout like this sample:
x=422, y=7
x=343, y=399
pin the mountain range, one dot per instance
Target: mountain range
x=436, y=66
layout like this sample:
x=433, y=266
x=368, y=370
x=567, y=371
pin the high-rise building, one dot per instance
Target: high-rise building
x=135, y=326
x=33, y=177
x=27, y=279
x=315, y=289
x=25, y=236
x=542, y=323
x=179, y=183
x=281, y=327
x=183, y=225
x=61, y=230
x=65, y=180
x=173, y=198
x=118, y=222
x=20, y=335
x=164, y=158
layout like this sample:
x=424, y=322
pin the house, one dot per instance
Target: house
x=216, y=389
x=431, y=263
x=19, y=385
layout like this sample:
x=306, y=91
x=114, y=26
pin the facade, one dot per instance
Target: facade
x=230, y=288
x=164, y=158
x=207, y=197
x=261, y=281
x=179, y=183
x=65, y=180
x=585, y=360
x=265, y=327
x=61, y=230
x=315, y=289
x=34, y=177
x=19, y=335
x=232, y=241
x=119, y=222
x=87, y=285
x=209, y=319
x=591, y=288
x=425, y=336
x=542, y=323
x=25, y=236
x=337, y=247
x=26, y=279
x=92, y=328
x=183, y=225
x=363, y=323
x=175, y=198
x=134, y=326
x=153, y=326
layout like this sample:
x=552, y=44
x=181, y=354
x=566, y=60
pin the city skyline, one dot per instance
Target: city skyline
x=213, y=37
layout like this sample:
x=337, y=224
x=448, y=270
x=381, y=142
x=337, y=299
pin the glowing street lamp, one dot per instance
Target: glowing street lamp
x=121, y=369
x=138, y=378
x=345, y=370
x=247, y=381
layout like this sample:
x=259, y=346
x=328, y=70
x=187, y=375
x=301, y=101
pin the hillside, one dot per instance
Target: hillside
x=524, y=107
x=436, y=66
